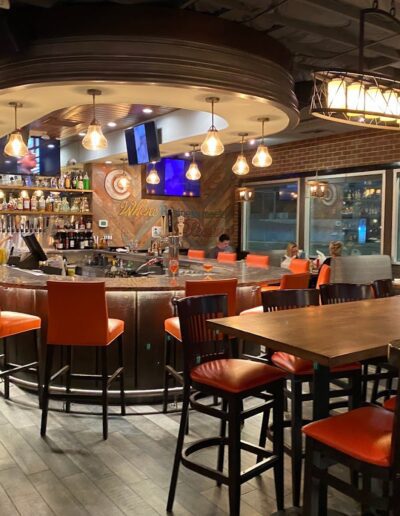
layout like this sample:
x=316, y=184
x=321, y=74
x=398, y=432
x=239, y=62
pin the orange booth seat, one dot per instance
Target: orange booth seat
x=226, y=257
x=196, y=254
x=257, y=260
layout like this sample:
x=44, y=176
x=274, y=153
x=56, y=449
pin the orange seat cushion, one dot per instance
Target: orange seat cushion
x=270, y=287
x=235, y=375
x=296, y=365
x=172, y=326
x=115, y=328
x=12, y=323
x=364, y=434
x=254, y=310
x=390, y=404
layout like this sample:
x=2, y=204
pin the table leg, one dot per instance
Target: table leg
x=321, y=392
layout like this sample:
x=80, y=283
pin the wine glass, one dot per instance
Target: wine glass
x=173, y=267
x=208, y=267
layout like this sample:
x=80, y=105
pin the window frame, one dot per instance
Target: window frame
x=307, y=201
x=245, y=208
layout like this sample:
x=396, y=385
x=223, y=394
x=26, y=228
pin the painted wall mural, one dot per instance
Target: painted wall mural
x=131, y=216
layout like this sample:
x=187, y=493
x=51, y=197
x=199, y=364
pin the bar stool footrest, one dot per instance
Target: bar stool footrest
x=18, y=369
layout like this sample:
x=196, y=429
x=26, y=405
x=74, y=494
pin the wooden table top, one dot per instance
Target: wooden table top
x=330, y=334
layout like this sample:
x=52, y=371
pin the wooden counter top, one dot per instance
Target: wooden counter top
x=247, y=276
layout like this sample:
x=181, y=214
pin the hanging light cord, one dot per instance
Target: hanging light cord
x=212, y=115
x=94, y=106
x=242, y=144
x=262, y=132
x=15, y=117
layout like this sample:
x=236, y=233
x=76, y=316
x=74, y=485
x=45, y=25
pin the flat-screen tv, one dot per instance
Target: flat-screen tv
x=43, y=158
x=142, y=144
x=173, y=181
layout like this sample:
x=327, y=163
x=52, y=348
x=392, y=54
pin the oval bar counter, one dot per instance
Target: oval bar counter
x=142, y=302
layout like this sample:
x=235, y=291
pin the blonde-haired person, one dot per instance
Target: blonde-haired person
x=335, y=249
x=292, y=251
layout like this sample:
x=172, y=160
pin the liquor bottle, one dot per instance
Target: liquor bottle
x=169, y=218
x=42, y=203
x=80, y=182
x=74, y=182
x=34, y=203
x=71, y=240
x=27, y=203
x=67, y=182
x=86, y=182
x=88, y=224
x=20, y=203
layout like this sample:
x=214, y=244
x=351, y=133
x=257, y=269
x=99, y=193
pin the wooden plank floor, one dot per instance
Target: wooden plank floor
x=73, y=472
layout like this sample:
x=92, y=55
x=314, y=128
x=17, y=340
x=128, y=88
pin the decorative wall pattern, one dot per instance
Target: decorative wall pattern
x=130, y=219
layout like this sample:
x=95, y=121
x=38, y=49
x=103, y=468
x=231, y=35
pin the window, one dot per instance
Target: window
x=396, y=218
x=270, y=220
x=351, y=212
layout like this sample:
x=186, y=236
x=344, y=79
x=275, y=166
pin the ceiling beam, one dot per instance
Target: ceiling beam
x=334, y=34
x=353, y=12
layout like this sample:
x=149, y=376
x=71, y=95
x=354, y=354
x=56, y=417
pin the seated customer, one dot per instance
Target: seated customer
x=335, y=249
x=221, y=247
x=292, y=251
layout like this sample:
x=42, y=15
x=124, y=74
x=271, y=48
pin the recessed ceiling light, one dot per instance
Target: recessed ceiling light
x=147, y=110
x=187, y=154
x=108, y=162
x=82, y=133
x=7, y=161
x=252, y=142
x=111, y=124
x=51, y=146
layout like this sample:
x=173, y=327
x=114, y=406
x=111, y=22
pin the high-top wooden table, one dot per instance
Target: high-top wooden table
x=329, y=335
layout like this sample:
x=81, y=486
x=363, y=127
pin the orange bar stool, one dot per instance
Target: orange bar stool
x=196, y=254
x=78, y=316
x=257, y=260
x=365, y=440
x=226, y=257
x=211, y=371
x=15, y=323
x=173, y=331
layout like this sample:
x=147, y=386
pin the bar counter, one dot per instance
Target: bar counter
x=142, y=302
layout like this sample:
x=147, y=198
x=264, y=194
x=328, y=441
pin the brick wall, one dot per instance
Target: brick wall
x=363, y=147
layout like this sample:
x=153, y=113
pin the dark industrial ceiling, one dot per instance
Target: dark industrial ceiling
x=319, y=33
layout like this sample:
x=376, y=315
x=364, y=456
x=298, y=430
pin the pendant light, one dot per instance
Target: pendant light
x=15, y=145
x=241, y=167
x=94, y=138
x=193, y=173
x=262, y=157
x=152, y=177
x=212, y=145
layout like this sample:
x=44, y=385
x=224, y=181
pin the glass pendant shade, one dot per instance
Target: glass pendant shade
x=337, y=94
x=241, y=167
x=153, y=178
x=355, y=98
x=391, y=100
x=16, y=146
x=374, y=102
x=94, y=138
x=193, y=173
x=262, y=157
x=212, y=145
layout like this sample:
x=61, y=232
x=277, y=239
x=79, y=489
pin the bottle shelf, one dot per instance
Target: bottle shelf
x=47, y=213
x=44, y=189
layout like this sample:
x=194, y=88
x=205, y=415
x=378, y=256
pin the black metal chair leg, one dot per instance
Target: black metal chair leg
x=297, y=444
x=234, y=463
x=45, y=390
x=222, y=434
x=38, y=368
x=277, y=411
x=122, y=374
x=68, y=378
x=104, y=384
x=263, y=432
x=375, y=387
x=5, y=367
x=315, y=489
x=167, y=360
x=179, y=447
x=365, y=369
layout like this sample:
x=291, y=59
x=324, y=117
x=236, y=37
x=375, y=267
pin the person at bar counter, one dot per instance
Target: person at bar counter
x=292, y=251
x=223, y=246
